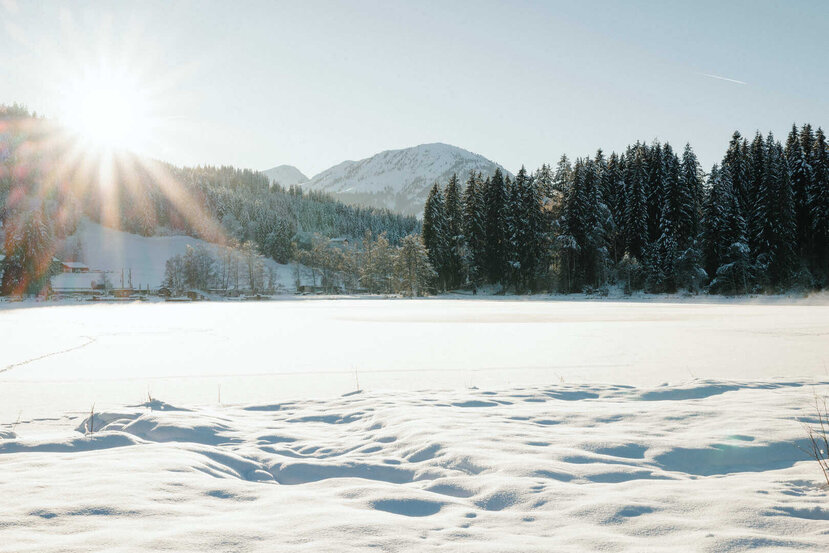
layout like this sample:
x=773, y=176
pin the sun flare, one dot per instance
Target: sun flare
x=108, y=112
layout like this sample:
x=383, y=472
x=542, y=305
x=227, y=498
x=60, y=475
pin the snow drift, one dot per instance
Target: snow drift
x=709, y=466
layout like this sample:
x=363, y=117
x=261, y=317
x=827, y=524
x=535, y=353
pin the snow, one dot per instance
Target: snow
x=401, y=178
x=286, y=175
x=712, y=467
x=112, y=250
x=487, y=425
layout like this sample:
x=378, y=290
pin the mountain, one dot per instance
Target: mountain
x=399, y=179
x=286, y=175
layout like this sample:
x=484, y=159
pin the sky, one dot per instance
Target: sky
x=314, y=83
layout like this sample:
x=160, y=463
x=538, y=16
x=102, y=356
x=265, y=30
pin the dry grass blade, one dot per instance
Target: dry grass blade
x=818, y=435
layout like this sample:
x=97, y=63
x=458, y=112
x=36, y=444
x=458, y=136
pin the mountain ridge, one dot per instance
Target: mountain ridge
x=399, y=179
x=286, y=175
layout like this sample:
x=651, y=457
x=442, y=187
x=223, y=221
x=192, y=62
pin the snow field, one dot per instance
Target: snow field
x=67, y=357
x=709, y=466
x=487, y=425
x=108, y=249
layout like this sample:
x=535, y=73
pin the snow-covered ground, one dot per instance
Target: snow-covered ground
x=481, y=426
x=108, y=249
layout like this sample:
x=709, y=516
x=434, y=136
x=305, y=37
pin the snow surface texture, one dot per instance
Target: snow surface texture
x=400, y=179
x=286, y=175
x=108, y=249
x=62, y=358
x=708, y=466
x=544, y=426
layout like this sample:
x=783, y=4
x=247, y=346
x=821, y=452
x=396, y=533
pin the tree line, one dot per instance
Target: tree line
x=648, y=219
x=46, y=188
x=221, y=270
x=370, y=265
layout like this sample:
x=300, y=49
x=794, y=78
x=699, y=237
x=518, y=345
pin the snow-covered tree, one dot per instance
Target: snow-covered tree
x=436, y=234
x=414, y=274
x=475, y=228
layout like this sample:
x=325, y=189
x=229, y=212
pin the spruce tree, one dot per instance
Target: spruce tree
x=636, y=202
x=474, y=227
x=454, y=233
x=773, y=220
x=713, y=220
x=757, y=168
x=819, y=204
x=736, y=164
x=728, y=236
x=614, y=192
x=435, y=234
x=530, y=234
x=545, y=181
x=513, y=223
x=563, y=179
x=495, y=209
x=689, y=272
x=800, y=175
x=655, y=167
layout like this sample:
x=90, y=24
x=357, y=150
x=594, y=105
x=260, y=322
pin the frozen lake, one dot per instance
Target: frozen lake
x=258, y=352
x=489, y=425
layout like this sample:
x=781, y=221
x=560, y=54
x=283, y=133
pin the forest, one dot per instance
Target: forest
x=646, y=219
x=47, y=184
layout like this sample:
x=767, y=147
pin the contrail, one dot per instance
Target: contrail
x=723, y=78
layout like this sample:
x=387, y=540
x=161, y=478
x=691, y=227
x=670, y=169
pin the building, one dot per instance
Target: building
x=80, y=283
x=73, y=267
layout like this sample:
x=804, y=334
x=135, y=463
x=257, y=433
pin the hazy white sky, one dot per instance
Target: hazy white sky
x=312, y=83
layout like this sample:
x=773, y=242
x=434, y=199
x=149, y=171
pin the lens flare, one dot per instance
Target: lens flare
x=108, y=110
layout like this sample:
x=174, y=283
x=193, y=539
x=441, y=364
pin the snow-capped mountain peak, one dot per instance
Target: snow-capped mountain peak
x=399, y=179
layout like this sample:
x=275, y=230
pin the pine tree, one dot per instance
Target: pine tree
x=545, y=181
x=636, y=202
x=819, y=204
x=435, y=234
x=454, y=233
x=513, y=223
x=495, y=209
x=474, y=228
x=757, y=168
x=528, y=233
x=691, y=193
x=800, y=175
x=563, y=179
x=729, y=235
x=655, y=167
x=736, y=164
x=586, y=218
x=713, y=220
x=774, y=219
x=661, y=261
x=613, y=193
x=689, y=271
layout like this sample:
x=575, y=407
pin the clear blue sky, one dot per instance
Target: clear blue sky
x=312, y=83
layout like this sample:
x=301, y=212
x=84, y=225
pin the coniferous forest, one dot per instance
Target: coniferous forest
x=646, y=219
x=46, y=186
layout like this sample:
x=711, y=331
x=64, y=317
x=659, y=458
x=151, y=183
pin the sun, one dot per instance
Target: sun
x=108, y=111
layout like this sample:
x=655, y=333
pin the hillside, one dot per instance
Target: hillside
x=286, y=175
x=112, y=250
x=399, y=179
